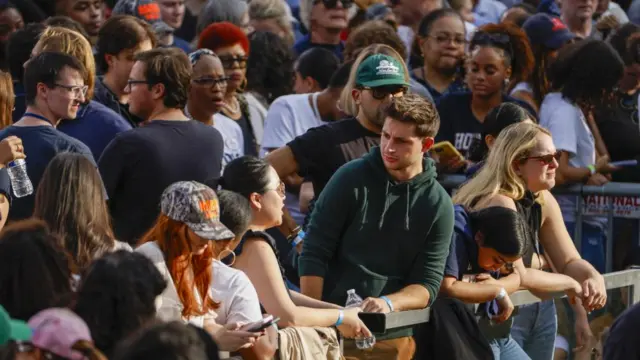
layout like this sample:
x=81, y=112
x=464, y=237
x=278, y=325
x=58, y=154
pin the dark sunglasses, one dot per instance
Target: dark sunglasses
x=383, y=92
x=544, y=159
x=228, y=61
x=332, y=4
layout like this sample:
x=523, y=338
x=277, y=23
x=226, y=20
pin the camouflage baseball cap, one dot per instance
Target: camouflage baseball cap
x=197, y=206
x=147, y=10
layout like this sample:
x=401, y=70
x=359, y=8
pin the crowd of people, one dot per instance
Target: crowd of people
x=242, y=179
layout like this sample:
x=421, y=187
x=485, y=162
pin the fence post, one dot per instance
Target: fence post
x=577, y=230
x=608, y=264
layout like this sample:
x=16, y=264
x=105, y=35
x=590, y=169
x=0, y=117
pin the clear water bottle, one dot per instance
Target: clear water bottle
x=20, y=182
x=353, y=300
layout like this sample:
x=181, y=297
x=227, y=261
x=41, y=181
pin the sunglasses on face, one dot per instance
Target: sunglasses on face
x=230, y=61
x=332, y=4
x=545, y=159
x=383, y=92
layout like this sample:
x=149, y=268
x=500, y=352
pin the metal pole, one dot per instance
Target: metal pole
x=609, y=240
x=577, y=230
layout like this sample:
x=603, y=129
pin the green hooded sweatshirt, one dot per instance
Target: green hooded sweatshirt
x=377, y=236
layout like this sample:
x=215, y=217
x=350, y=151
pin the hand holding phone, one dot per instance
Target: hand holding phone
x=261, y=325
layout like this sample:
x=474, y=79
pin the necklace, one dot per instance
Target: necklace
x=233, y=109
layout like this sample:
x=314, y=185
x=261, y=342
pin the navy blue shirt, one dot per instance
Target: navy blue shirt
x=456, y=86
x=458, y=125
x=181, y=44
x=622, y=343
x=20, y=105
x=96, y=125
x=305, y=44
x=41, y=144
x=106, y=97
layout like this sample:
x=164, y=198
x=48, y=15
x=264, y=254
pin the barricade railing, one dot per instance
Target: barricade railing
x=611, y=191
x=381, y=323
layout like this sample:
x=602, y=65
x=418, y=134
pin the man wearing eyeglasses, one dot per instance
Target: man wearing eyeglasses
x=54, y=90
x=324, y=20
x=139, y=164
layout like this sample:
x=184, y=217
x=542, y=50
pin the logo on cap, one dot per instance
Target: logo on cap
x=387, y=68
x=209, y=209
x=557, y=24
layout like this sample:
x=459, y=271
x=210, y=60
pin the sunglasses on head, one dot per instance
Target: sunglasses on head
x=332, y=4
x=544, y=159
x=382, y=92
x=229, y=61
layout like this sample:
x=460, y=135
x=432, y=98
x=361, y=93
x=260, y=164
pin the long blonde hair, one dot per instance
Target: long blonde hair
x=7, y=99
x=346, y=102
x=498, y=175
x=70, y=42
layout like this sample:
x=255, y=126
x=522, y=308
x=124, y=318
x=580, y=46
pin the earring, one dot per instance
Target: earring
x=220, y=257
x=506, y=83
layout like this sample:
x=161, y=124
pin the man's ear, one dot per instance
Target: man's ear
x=427, y=143
x=355, y=94
x=157, y=91
x=109, y=59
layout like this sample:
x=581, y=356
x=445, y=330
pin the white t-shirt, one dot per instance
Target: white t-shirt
x=570, y=133
x=237, y=297
x=168, y=304
x=289, y=116
x=232, y=137
x=522, y=86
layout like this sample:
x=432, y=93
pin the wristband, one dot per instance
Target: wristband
x=298, y=239
x=340, y=318
x=388, y=301
x=592, y=169
x=502, y=294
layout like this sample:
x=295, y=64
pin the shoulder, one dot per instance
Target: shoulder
x=451, y=100
x=120, y=245
x=497, y=200
x=227, y=276
x=152, y=251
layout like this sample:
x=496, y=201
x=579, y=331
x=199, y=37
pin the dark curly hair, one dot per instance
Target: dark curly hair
x=270, y=66
x=586, y=72
x=517, y=51
x=369, y=33
x=117, y=297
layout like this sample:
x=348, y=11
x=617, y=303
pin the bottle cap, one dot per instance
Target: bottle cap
x=17, y=162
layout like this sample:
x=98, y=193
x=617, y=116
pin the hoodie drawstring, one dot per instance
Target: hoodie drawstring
x=406, y=215
x=386, y=206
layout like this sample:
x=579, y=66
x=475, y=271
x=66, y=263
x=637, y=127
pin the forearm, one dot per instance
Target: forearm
x=472, y=293
x=580, y=270
x=312, y=286
x=541, y=281
x=510, y=283
x=306, y=301
x=411, y=297
x=569, y=175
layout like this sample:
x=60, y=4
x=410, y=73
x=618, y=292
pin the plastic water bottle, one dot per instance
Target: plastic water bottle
x=20, y=182
x=353, y=300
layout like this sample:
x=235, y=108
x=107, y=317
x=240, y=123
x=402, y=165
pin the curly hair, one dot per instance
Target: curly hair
x=115, y=304
x=517, y=52
x=369, y=33
x=586, y=72
x=219, y=35
x=270, y=67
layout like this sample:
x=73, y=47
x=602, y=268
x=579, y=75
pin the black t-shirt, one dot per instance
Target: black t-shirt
x=41, y=144
x=618, y=126
x=138, y=165
x=249, y=139
x=322, y=150
x=458, y=125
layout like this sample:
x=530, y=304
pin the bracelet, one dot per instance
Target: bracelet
x=340, y=317
x=388, y=301
x=592, y=169
x=502, y=294
x=298, y=239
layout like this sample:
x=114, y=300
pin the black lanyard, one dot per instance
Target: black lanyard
x=37, y=116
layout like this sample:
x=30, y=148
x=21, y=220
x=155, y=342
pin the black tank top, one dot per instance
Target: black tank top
x=531, y=211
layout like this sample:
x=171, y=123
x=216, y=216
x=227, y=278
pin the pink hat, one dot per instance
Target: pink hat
x=57, y=330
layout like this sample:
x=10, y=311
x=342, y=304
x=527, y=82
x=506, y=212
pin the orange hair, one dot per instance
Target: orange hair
x=171, y=236
x=222, y=34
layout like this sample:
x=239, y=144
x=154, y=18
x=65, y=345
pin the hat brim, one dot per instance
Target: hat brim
x=384, y=82
x=162, y=28
x=559, y=39
x=20, y=331
x=211, y=230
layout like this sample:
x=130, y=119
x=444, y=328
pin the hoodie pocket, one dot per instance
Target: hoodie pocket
x=366, y=283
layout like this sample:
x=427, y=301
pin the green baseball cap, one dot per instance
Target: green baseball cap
x=12, y=329
x=380, y=70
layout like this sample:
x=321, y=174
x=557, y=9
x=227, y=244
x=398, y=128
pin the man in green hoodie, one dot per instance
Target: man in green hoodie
x=383, y=225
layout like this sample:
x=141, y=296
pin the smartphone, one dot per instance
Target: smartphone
x=261, y=325
x=624, y=163
x=446, y=152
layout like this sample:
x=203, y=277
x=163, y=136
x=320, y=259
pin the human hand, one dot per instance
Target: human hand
x=506, y=308
x=608, y=22
x=594, y=293
x=11, y=149
x=575, y=292
x=375, y=305
x=231, y=338
x=352, y=326
x=597, y=179
x=603, y=165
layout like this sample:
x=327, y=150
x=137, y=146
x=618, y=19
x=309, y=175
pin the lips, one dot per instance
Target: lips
x=236, y=77
x=389, y=159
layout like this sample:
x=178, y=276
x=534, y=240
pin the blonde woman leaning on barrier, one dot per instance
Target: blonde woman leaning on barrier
x=519, y=172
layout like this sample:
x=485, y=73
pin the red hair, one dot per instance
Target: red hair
x=222, y=34
x=172, y=239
